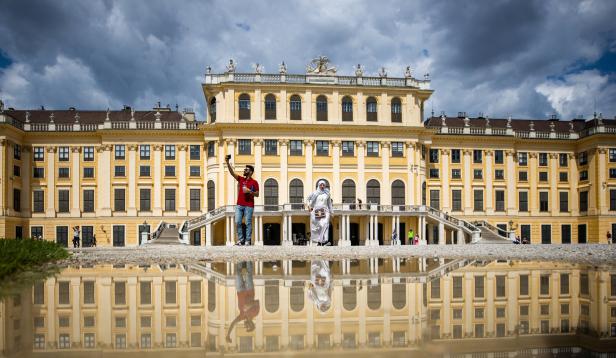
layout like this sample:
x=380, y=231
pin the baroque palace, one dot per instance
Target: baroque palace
x=128, y=175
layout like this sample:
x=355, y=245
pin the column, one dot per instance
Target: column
x=574, y=203
x=285, y=227
x=283, y=187
x=336, y=185
x=228, y=179
x=157, y=320
x=602, y=207
x=308, y=105
x=182, y=168
x=461, y=238
x=230, y=231
x=76, y=312
x=132, y=182
x=205, y=175
x=50, y=323
x=50, y=174
x=554, y=195
x=342, y=230
x=157, y=209
x=7, y=167
x=337, y=303
x=446, y=326
x=446, y=202
x=309, y=188
x=258, y=145
x=208, y=234
x=103, y=324
x=75, y=187
x=489, y=174
x=361, y=171
x=26, y=173
x=255, y=108
x=182, y=317
x=385, y=153
x=512, y=303
x=410, y=188
x=468, y=189
x=510, y=176
x=441, y=234
x=603, y=325
x=289, y=229
x=3, y=169
x=490, y=312
x=417, y=171
x=468, y=306
x=131, y=339
x=554, y=306
x=533, y=194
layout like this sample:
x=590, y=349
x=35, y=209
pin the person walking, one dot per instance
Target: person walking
x=75, y=236
x=609, y=237
x=321, y=210
x=93, y=240
x=248, y=189
x=411, y=236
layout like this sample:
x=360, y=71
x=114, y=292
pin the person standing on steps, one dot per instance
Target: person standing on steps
x=248, y=189
x=321, y=210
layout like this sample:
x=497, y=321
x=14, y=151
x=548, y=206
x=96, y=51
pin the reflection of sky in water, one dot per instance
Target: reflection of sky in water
x=397, y=307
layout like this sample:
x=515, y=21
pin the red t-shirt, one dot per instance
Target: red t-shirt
x=246, y=199
x=244, y=299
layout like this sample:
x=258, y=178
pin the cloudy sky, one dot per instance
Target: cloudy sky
x=499, y=57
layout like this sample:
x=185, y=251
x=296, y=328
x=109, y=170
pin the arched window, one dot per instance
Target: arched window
x=397, y=192
x=371, y=111
x=396, y=110
x=271, y=194
x=270, y=106
x=349, y=297
x=211, y=195
x=398, y=295
x=423, y=193
x=296, y=107
x=321, y=108
x=272, y=296
x=347, y=109
x=348, y=192
x=373, y=192
x=244, y=106
x=296, y=296
x=213, y=110
x=211, y=295
x=296, y=194
x=374, y=297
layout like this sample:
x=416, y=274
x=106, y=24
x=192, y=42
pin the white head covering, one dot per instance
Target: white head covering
x=312, y=198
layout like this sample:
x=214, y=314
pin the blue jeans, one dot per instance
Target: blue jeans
x=246, y=212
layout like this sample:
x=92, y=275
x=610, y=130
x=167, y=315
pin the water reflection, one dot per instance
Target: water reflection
x=397, y=306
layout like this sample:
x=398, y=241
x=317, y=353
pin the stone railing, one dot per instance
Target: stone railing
x=524, y=134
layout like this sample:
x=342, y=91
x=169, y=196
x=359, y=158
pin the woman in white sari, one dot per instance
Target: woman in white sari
x=320, y=206
x=320, y=286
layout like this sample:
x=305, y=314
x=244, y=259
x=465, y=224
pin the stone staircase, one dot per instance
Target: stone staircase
x=168, y=236
x=490, y=237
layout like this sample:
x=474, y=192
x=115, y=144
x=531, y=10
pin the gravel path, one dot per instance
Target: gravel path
x=596, y=254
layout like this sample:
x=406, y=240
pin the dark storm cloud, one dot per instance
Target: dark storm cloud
x=525, y=58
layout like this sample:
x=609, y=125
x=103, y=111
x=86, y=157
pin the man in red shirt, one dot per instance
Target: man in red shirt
x=248, y=189
x=246, y=303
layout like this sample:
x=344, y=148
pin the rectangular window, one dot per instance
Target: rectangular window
x=583, y=158
x=144, y=199
x=435, y=289
x=144, y=152
x=88, y=154
x=119, y=200
x=348, y=148
x=584, y=290
x=169, y=170
x=88, y=172
x=584, y=175
x=64, y=293
x=63, y=172
x=120, y=171
x=244, y=146
x=36, y=232
x=170, y=295
x=17, y=152
x=211, y=149
x=479, y=287
x=522, y=176
x=169, y=152
x=612, y=173
x=546, y=234
x=498, y=157
x=271, y=146
x=195, y=199
x=38, y=173
x=500, y=200
x=195, y=171
x=477, y=156
x=145, y=293
x=563, y=177
x=544, y=285
x=435, y=199
x=169, y=199
x=477, y=174
x=523, y=285
x=296, y=147
x=522, y=158
x=457, y=286
x=39, y=154
x=543, y=159
x=500, y=286
x=144, y=170
x=16, y=199
x=119, y=293
x=499, y=174
x=195, y=152
x=63, y=154
x=372, y=148
x=195, y=292
x=565, y=233
x=455, y=155
x=564, y=201
x=38, y=201
x=581, y=233
x=564, y=284
x=543, y=176
x=88, y=201
x=16, y=171
x=613, y=201
x=146, y=340
x=63, y=201
x=88, y=292
x=612, y=155
x=433, y=155
x=583, y=201
x=120, y=151
x=456, y=174
x=456, y=200
x=433, y=173
x=478, y=200
x=543, y=201
x=397, y=149
x=323, y=147
x=562, y=160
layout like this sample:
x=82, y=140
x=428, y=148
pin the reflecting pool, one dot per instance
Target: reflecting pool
x=375, y=307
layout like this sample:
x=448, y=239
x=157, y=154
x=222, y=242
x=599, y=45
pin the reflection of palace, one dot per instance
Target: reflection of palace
x=392, y=304
x=120, y=173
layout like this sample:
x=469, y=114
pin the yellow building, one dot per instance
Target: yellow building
x=117, y=174
x=396, y=305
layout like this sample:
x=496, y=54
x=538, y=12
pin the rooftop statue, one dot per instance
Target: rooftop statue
x=320, y=66
x=231, y=66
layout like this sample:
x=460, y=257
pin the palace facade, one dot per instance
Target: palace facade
x=452, y=179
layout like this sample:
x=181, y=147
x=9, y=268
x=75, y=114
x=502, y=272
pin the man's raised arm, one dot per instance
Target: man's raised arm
x=230, y=169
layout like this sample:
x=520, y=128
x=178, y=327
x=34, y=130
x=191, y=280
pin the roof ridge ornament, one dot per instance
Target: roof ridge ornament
x=208, y=70
x=51, y=117
x=132, y=114
x=509, y=122
x=467, y=122
x=531, y=126
x=107, y=119
x=76, y=117
x=443, y=120
x=552, y=126
x=231, y=66
x=359, y=71
x=320, y=66
x=27, y=116
x=157, y=115
x=408, y=72
x=282, y=69
x=258, y=68
x=382, y=72
x=571, y=130
x=1, y=106
x=487, y=121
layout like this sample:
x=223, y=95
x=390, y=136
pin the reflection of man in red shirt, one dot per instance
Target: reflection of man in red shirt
x=246, y=303
x=248, y=189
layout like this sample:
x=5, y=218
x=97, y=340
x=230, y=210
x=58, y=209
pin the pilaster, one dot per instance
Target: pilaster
x=182, y=168
x=50, y=175
x=157, y=209
x=132, y=186
x=75, y=184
